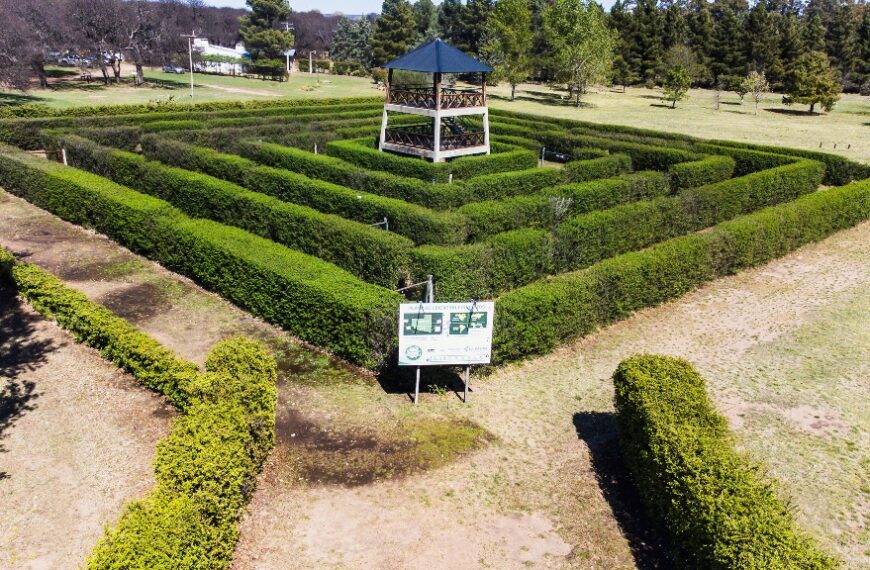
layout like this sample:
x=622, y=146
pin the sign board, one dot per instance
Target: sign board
x=445, y=334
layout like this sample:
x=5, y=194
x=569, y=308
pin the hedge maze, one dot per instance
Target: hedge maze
x=274, y=206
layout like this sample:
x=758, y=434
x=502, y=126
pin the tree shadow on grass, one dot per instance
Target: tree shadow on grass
x=794, y=112
x=542, y=98
x=20, y=351
x=15, y=99
x=662, y=106
x=598, y=430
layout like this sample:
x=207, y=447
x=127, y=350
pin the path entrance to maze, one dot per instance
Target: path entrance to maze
x=272, y=208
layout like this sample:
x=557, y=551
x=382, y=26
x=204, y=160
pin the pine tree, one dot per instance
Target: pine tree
x=648, y=39
x=675, y=31
x=425, y=20
x=841, y=38
x=814, y=33
x=350, y=42
x=263, y=38
x=729, y=44
x=474, y=25
x=511, y=40
x=791, y=43
x=394, y=32
x=701, y=27
x=812, y=81
x=863, y=50
x=761, y=34
x=450, y=22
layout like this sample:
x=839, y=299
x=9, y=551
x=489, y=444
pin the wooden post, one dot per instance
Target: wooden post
x=483, y=87
x=389, y=83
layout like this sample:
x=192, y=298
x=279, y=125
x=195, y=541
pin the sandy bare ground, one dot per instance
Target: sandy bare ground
x=780, y=345
x=77, y=438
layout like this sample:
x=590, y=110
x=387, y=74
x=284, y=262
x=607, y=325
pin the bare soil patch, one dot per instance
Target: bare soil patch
x=77, y=440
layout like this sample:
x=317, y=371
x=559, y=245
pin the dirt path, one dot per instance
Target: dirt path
x=240, y=91
x=779, y=345
x=77, y=438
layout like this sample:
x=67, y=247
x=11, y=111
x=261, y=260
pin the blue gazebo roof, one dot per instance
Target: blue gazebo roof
x=438, y=57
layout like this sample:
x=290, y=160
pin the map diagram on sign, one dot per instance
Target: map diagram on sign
x=445, y=334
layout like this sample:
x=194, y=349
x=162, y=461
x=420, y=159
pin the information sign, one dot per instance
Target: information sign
x=445, y=334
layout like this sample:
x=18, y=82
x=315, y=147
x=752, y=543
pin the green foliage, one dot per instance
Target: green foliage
x=263, y=37
x=534, y=319
x=414, y=222
x=719, y=509
x=90, y=323
x=394, y=32
x=371, y=254
x=594, y=168
x=581, y=43
x=587, y=239
x=812, y=82
x=676, y=85
x=510, y=42
x=311, y=298
x=710, y=169
x=350, y=42
x=206, y=469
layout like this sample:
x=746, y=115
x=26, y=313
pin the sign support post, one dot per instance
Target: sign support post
x=467, y=380
x=417, y=386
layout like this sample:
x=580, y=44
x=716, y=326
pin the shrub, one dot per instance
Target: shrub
x=410, y=220
x=587, y=239
x=115, y=339
x=719, y=510
x=206, y=470
x=535, y=318
x=594, y=168
x=373, y=255
x=708, y=170
x=514, y=183
x=311, y=298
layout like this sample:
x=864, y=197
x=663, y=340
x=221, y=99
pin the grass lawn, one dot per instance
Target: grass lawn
x=847, y=127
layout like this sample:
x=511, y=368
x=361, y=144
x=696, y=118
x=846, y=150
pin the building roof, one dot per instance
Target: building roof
x=438, y=57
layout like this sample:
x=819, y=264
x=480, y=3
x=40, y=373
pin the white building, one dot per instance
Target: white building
x=205, y=49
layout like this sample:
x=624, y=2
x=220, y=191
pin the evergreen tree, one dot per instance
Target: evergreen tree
x=425, y=20
x=814, y=33
x=394, y=32
x=729, y=43
x=863, y=50
x=701, y=27
x=263, y=37
x=350, y=42
x=791, y=43
x=511, y=40
x=842, y=38
x=812, y=81
x=582, y=44
x=474, y=25
x=648, y=39
x=450, y=22
x=675, y=32
x=761, y=34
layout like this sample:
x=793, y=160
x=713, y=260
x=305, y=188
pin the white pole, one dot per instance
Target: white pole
x=486, y=130
x=311, y=62
x=467, y=380
x=436, y=144
x=190, y=58
x=417, y=386
x=383, y=129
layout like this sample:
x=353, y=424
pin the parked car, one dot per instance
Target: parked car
x=173, y=69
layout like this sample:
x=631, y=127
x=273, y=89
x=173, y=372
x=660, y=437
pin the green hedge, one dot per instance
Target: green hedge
x=372, y=254
x=514, y=183
x=206, y=470
x=587, y=239
x=115, y=339
x=310, y=298
x=718, y=508
x=363, y=152
x=583, y=170
x=536, y=318
x=539, y=210
x=485, y=269
x=415, y=222
x=708, y=170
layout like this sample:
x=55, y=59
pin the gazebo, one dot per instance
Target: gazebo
x=446, y=135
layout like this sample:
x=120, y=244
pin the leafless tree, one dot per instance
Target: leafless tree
x=99, y=25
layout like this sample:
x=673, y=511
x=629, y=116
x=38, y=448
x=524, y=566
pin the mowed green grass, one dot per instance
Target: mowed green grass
x=845, y=131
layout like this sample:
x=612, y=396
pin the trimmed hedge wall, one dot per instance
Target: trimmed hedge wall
x=536, y=318
x=372, y=254
x=363, y=153
x=115, y=339
x=708, y=170
x=539, y=209
x=311, y=298
x=206, y=469
x=718, y=508
x=587, y=239
x=417, y=223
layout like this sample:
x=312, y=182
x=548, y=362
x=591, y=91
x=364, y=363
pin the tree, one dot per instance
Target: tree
x=648, y=39
x=99, y=23
x=684, y=55
x=814, y=33
x=263, y=37
x=812, y=81
x=757, y=86
x=394, y=32
x=450, y=21
x=582, y=44
x=425, y=20
x=511, y=41
x=474, y=20
x=350, y=42
x=142, y=31
x=676, y=85
x=701, y=28
x=622, y=73
x=762, y=38
x=729, y=43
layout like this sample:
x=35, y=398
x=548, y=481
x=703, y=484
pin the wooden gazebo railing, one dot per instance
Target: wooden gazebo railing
x=422, y=137
x=427, y=97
